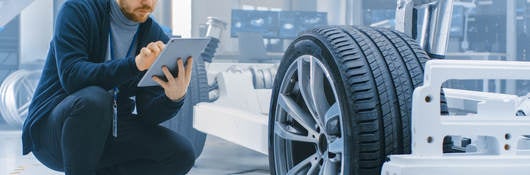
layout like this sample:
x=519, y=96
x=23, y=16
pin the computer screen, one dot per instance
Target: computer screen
x=263, y=22
x=294, y=22
x=275, y=25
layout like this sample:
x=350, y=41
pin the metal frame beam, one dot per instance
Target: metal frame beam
x=436, y=23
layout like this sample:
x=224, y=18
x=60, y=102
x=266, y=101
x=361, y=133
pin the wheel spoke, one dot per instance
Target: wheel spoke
x=333, y=112
x=336, y=146
x=332, y=118
x=315, y=167
x=297, y=113
x=316, y=89
x=282, y=131
x=329, y=168
x=27, y=87
x=24, y=108
x=301, y=168
x=304, y=72
x=22, y=115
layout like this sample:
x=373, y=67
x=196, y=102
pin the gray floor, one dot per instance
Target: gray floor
x=221, y=157
x=218, y=157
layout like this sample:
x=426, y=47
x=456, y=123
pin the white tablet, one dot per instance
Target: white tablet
x=175, y=48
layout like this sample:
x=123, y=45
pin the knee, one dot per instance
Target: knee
x=174, y=152
x=182, y=162
x=188, y=158
x=93, y=100
x=182, y=159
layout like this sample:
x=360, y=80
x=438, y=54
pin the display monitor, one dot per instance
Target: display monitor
x=263, y=22
x=294, y=22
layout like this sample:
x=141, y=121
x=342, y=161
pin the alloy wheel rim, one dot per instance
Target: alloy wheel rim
x=308, y=117
x=16, y=92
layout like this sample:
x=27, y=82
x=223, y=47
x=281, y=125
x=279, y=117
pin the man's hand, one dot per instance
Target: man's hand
x=148, y=55
x=175, y=88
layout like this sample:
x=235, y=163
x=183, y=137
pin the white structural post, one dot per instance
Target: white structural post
x=336, y=10
x=181, y=16
x=354, y=12
x=34, y=44
x=511, y=40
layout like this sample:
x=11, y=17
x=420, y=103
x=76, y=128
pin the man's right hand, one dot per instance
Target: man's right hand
x=148, y=55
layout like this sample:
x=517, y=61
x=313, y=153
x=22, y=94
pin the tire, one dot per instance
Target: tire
x=182, y=123
x=349, y=107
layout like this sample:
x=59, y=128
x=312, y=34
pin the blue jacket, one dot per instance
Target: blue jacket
x=76, y=60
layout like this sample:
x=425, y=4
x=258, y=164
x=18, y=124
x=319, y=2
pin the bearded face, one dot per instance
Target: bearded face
x=137, y=10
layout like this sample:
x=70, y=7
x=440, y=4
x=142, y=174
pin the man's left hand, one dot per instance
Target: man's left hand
x=176, y=87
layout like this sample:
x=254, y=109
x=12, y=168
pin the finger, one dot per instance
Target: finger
x=147, y=52
x=160, y=82
x=188, y=80
x=150, y=44
x=167, y=73
x=180, y=65
x=158, y=44
x=161, y=45
x=189, y=68
x=155, y=49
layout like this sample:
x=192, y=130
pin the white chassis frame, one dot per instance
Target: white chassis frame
x=498, y=135
x=240, y=115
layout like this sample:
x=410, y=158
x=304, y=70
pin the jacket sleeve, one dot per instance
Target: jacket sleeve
x=75, y=69
x=154, y=107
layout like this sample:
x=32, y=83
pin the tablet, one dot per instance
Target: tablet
x=175, y=48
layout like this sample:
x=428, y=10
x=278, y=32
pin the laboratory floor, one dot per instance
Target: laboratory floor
x=219, y=157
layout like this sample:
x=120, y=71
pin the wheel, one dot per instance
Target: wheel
x=16, y=92
x=342, y=100
x=182, y=123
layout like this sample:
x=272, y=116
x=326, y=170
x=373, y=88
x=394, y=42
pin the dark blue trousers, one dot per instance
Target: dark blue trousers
x=76, y=138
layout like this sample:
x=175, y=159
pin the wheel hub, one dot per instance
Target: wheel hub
x=322, y=143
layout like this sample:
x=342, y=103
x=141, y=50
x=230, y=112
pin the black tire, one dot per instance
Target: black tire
x=182, y=123
x=374, y=72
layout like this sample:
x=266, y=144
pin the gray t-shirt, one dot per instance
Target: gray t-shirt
x=123, y=31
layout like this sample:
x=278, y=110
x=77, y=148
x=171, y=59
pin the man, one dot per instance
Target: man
x=99, y=51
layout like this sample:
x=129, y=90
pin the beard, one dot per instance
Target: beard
x=137, y=15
